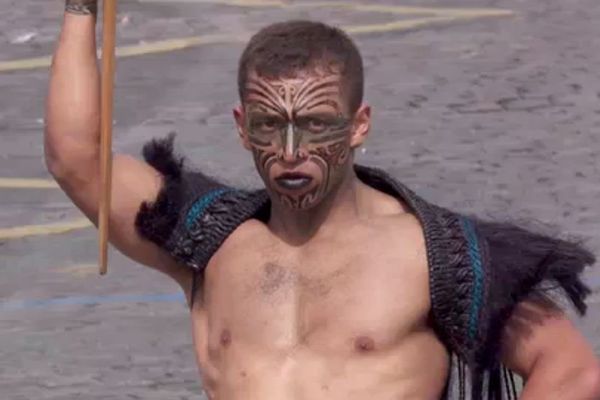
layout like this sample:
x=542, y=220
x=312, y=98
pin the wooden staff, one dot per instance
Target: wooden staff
x=106, y=122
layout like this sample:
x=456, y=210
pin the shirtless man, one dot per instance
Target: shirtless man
x=328, y=294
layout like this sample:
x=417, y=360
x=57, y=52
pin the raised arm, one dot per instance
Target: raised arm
x=72, y=144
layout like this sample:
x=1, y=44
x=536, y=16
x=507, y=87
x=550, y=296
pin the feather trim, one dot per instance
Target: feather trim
x=158, y=220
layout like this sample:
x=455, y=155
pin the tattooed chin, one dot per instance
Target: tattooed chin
x=300, y=202
x=297, y=191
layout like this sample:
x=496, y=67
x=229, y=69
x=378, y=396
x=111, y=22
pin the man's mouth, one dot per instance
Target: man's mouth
x=293, y=180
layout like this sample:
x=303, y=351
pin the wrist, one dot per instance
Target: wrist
x=82, y=7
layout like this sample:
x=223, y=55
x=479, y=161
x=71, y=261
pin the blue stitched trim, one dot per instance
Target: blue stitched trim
x=201, y=204
x=476, y=264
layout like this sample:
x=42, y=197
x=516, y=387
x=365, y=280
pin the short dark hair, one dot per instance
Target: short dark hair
x=284, y=48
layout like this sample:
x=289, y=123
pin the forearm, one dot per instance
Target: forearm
x=551, y=383
x=73, y=103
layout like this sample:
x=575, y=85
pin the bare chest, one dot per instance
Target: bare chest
x=335, y=300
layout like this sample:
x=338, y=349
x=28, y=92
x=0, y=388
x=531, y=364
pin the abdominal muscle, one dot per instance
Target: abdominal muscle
x=415, y=369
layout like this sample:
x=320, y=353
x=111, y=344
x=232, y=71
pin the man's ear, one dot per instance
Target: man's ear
x=361, y=126
x=240, y=122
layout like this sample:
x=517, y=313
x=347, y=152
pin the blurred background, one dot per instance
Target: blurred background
x=484, y=106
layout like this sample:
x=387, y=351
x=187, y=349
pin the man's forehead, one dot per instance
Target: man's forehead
x=296, y=79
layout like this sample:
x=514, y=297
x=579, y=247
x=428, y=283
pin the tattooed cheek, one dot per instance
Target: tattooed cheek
x=333, y=155
x=263, y=160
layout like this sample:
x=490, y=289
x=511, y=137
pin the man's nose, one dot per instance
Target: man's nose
x=290, y=151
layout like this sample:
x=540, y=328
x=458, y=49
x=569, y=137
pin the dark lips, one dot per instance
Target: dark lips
x=293, y=181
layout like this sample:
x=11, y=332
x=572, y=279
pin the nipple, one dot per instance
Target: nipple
x=364, y=344
x=225, y=338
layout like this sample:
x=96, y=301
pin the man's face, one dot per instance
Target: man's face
x=300, y=133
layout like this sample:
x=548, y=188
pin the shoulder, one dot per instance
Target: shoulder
x=247, y=238
x=399, y=230
x=398, y=238
x=248, y=232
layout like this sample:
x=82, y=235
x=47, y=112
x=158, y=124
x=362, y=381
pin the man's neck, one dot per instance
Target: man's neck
x=299, y=226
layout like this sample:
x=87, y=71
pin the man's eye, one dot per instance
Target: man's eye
x=266, y=125
x=316, y=125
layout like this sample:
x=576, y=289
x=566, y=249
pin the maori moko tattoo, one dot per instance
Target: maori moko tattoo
x=297, y=129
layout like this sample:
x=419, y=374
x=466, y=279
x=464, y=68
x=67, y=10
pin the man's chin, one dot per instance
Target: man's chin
x=298, y=202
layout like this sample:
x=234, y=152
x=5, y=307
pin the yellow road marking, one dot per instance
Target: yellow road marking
x=434, y=15
x=27, y=63
x=235, y=3
x=19, y=183
x=163, y=46
x=79, y=270
x=395, y=25
x=379, y=8
x=48, y=229
x=407, y=10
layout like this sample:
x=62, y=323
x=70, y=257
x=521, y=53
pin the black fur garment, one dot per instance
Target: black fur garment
x=478, y=270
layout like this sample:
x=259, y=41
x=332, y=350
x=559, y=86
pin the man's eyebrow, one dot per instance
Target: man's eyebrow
x=264, y=114
x=319, y=115
x=320, y=103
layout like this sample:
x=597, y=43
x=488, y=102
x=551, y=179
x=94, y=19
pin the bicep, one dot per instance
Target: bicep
x=133, y=182
x=136, y=182
x=539, y=330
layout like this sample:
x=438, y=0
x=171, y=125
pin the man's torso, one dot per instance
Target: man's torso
x=344, y=316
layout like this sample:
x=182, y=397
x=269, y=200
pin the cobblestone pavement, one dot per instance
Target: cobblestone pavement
x=497, y=116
